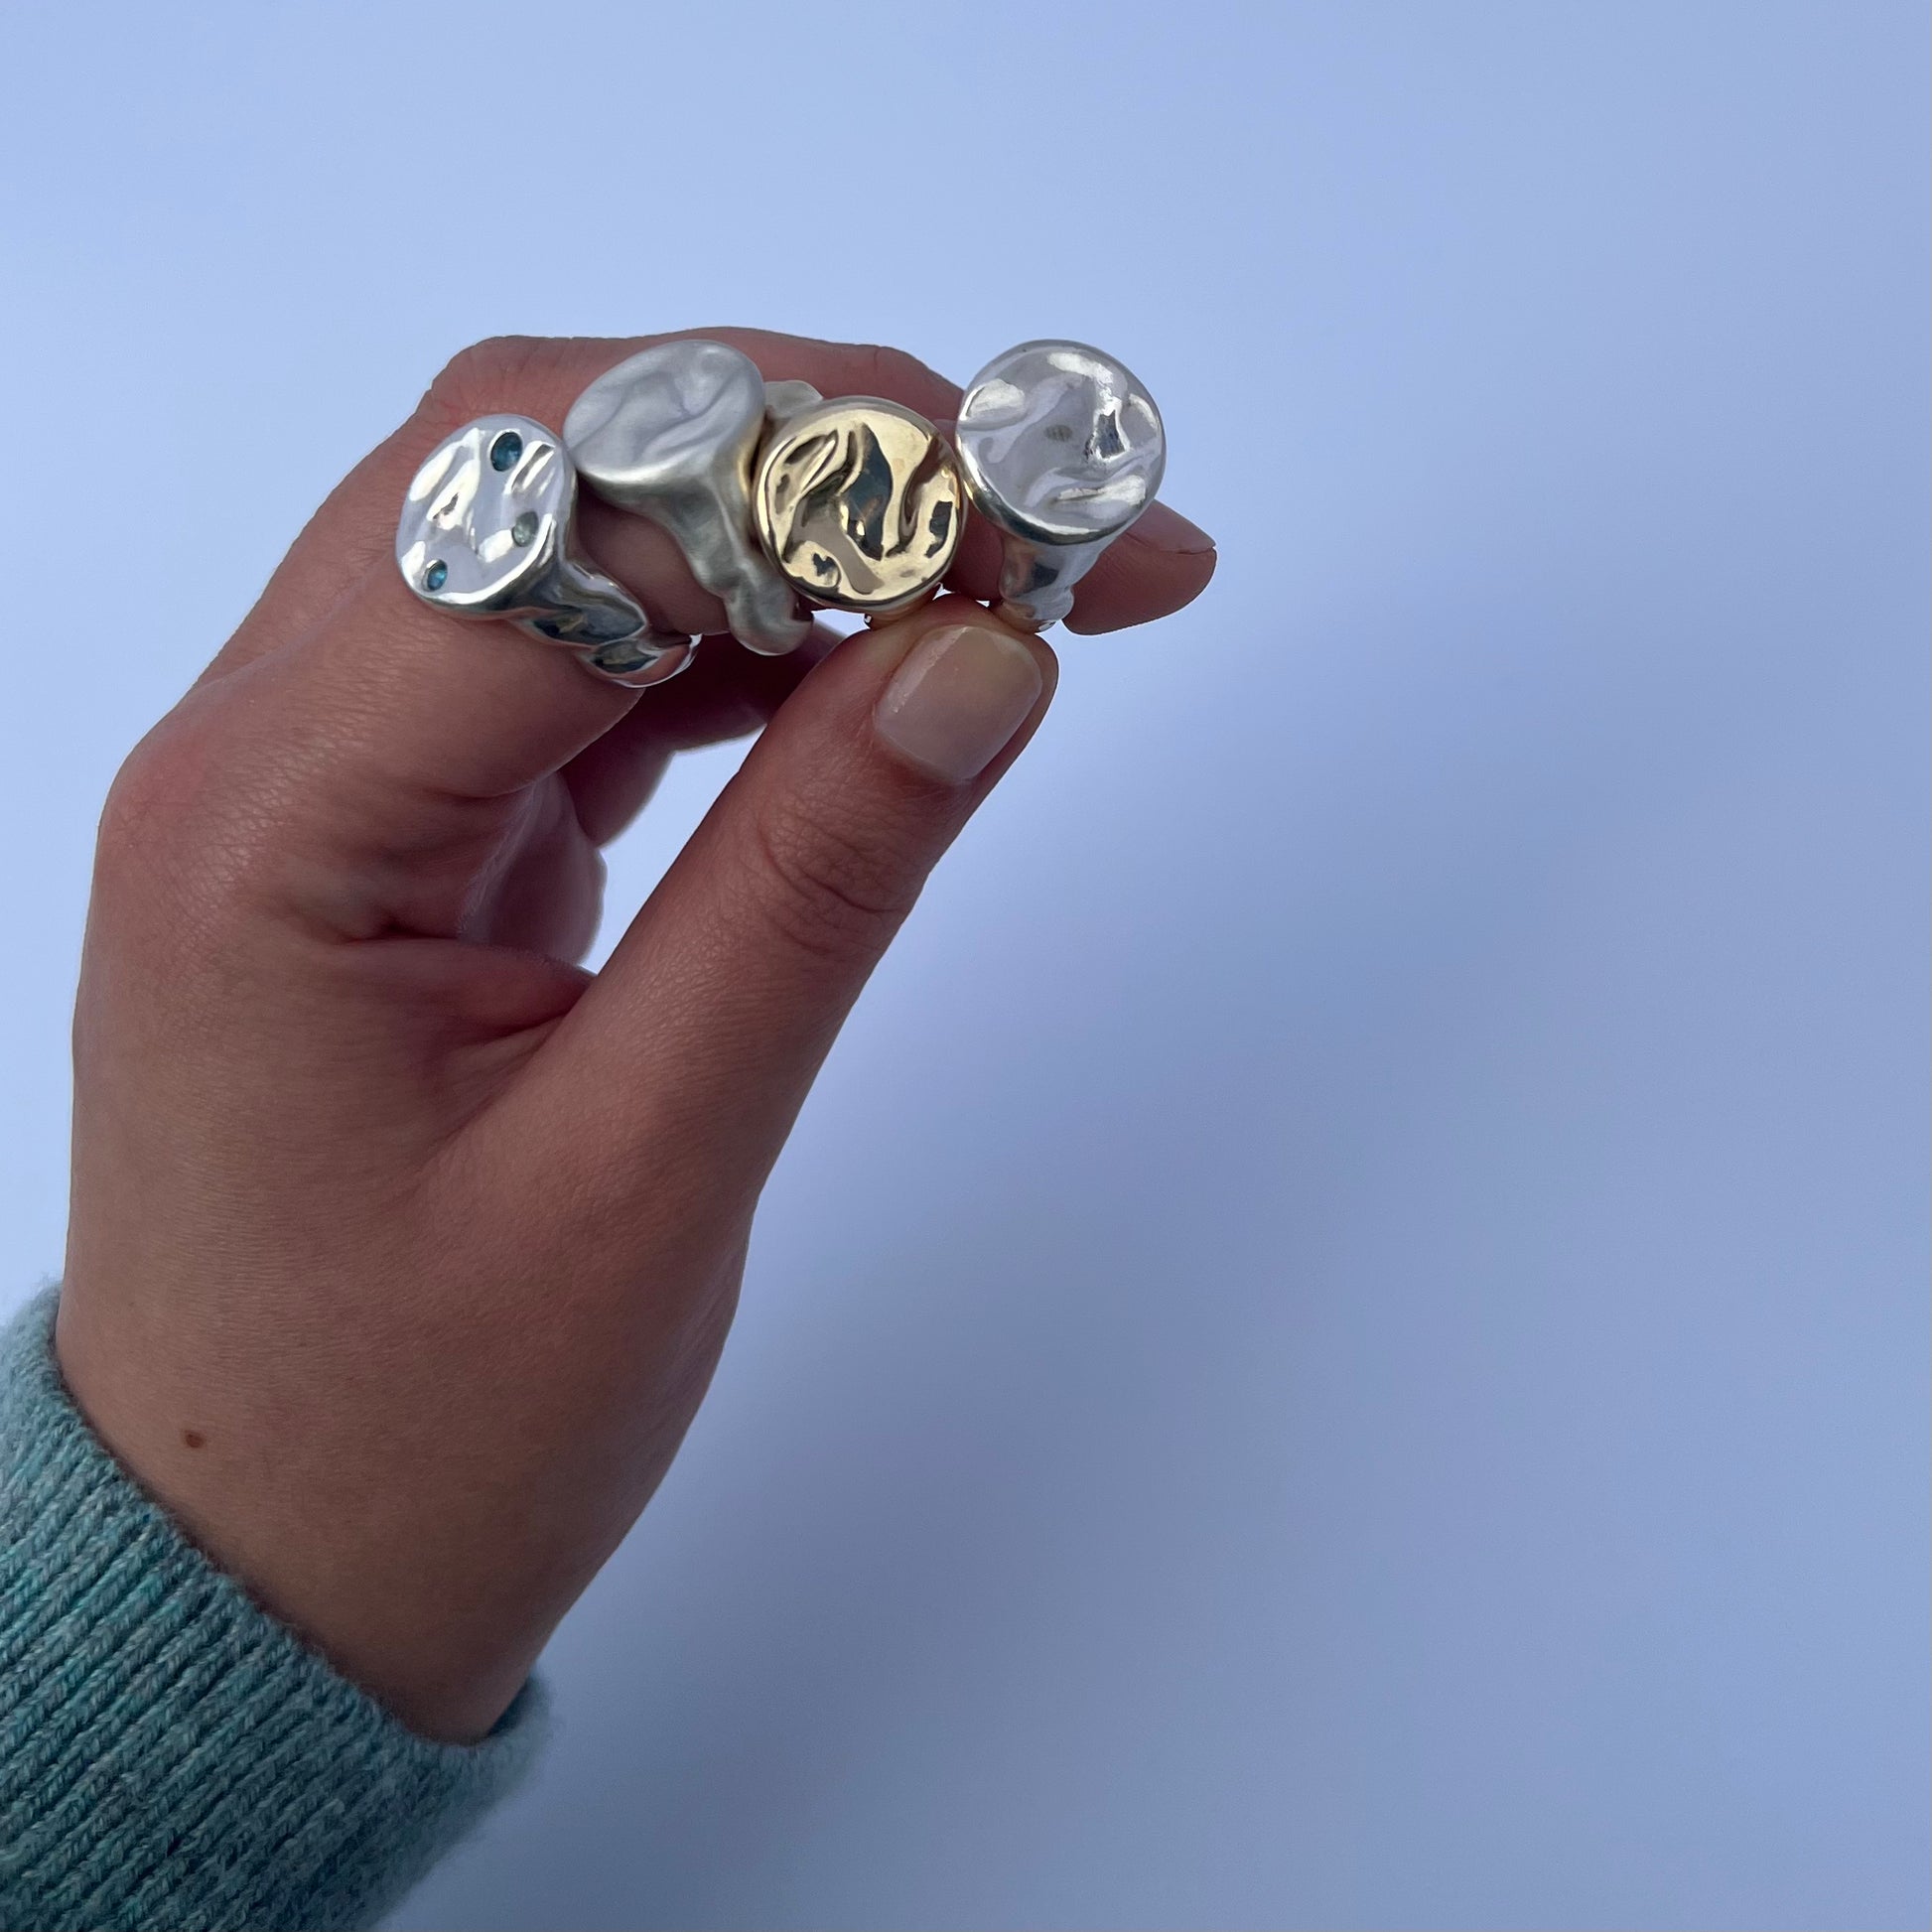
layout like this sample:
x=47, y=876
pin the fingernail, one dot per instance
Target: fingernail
x=1167, y=529
x=957, y=699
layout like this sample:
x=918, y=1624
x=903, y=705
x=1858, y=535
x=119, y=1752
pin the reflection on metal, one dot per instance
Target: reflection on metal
x=859, y=502
x=1062, y=449
x=487, y=532
x=672, y=433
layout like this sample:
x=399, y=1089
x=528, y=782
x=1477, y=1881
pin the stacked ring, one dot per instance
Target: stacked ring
x=779, y=499
x=488, y=530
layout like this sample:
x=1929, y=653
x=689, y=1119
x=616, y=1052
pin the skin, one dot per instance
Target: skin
x=402, y=1248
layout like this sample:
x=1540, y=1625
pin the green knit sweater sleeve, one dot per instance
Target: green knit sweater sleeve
x=171, y=1757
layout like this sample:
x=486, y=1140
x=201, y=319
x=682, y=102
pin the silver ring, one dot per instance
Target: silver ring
x=670, y=433
x=1062, y=449
x=488, y=530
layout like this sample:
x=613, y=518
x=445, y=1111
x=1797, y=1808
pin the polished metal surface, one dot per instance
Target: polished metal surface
x=784, y=400
x=859, y=502
x=1062, y=449
x=672, y=433
x=487, y=532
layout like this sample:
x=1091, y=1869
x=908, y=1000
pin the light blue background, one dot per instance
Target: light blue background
x=1343, y=1342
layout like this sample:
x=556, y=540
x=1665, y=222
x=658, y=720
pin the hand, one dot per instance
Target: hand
x=402, y=1249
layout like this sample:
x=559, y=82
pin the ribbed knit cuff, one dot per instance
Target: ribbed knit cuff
x=171, y=1757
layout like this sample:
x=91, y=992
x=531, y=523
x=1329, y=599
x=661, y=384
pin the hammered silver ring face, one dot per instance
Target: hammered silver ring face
x=672, y=433
x=485, y=517
x=487, y=532
x=667, y=418
x=1060, y=443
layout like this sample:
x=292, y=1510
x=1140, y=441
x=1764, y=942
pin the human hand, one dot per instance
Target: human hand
x=402, y=1249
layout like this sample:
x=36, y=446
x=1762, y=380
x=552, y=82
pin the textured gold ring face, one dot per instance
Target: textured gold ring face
x=858, y=503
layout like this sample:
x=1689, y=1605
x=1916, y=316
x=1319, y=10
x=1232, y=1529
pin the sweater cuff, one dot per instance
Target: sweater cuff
x=171, y=1757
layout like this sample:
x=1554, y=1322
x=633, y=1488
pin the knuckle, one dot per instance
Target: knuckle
x=182, y=830
x=830, y=892
x=153, y=848
x=152, y=793
x=477, y=379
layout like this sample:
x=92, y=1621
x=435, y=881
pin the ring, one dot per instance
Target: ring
x=1062, y=449
x=859, y=502
x=488, y=530
x=672, y=433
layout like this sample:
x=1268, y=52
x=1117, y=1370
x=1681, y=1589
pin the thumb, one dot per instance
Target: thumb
x=686, y=1060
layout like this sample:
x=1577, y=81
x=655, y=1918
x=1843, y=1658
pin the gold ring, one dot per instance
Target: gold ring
x=859, y=502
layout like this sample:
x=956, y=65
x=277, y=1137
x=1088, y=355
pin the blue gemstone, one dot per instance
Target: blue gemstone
x=506, y=450
x=436, y=576
x=524, y=528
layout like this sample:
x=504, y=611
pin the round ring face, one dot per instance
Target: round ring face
x=859, y=502
x=1060, y=443
x=485, y=515
x=665, y=416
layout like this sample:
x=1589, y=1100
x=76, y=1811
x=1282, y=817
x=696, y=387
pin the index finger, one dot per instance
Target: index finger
x=1160, y=565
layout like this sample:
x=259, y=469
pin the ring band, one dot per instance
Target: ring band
x=488, y=530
